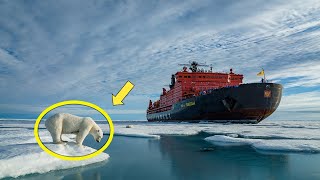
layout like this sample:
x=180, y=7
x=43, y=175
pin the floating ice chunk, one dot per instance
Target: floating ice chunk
x=228, y=141
x=289, y=145
x=37, y=161
x=141, y=135
x=154, y=130
x=121, y=130
x=233, y=135
x=311, y=146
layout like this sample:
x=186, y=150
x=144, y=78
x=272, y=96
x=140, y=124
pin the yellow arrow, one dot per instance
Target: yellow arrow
x=124, y=91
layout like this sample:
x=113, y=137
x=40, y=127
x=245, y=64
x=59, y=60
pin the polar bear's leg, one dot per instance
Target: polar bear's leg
x=56, y=137
x=82, y=134
x=54, y=126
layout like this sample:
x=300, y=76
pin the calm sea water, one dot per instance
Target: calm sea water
x=189, y=157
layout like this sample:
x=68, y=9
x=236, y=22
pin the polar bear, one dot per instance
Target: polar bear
x=64, y=123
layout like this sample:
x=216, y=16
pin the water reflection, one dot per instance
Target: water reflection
x=189, y=161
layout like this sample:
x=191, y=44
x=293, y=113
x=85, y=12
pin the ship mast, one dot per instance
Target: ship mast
x=193, y=66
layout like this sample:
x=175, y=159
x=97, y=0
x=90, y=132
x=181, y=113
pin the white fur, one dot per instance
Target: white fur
x=63, y=123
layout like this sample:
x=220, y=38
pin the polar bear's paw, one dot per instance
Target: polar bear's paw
x=60, y=143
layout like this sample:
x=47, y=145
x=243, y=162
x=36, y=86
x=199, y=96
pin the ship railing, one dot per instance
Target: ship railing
x=159, y=109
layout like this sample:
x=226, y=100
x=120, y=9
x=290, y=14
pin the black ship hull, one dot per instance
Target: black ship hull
x=246, y=103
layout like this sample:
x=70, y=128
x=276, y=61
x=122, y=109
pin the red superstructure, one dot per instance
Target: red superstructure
x=186, y=84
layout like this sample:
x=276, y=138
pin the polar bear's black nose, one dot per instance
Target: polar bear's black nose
x=97, y=140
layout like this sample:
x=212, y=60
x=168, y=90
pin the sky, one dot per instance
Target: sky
x=58, y=50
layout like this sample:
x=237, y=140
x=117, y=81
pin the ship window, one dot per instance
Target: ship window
x=199, y=76
x=180, y=76
x=204, y=77
x=188, y=76
x=185, y=76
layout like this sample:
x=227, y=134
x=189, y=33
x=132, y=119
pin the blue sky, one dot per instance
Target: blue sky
x=52, y=51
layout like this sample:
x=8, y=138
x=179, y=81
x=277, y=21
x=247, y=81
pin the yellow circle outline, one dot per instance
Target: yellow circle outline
x=73, y=102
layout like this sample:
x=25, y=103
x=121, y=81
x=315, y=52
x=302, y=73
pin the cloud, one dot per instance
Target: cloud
x=73, y=109
x=299, y=106
x=299, y=75
x=307, y=101
x=56, y=50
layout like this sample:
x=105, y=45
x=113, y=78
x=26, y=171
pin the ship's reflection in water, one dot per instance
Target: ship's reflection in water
x=192, y=158
x=189, y=157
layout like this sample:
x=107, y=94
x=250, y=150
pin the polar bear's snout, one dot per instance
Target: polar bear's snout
x=98, y=139
x=98, y=134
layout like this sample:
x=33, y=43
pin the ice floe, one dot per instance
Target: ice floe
x=34, y=160
x=21, y=155
x=290, y=145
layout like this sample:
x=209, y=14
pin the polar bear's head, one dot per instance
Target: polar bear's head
x=96, y=132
